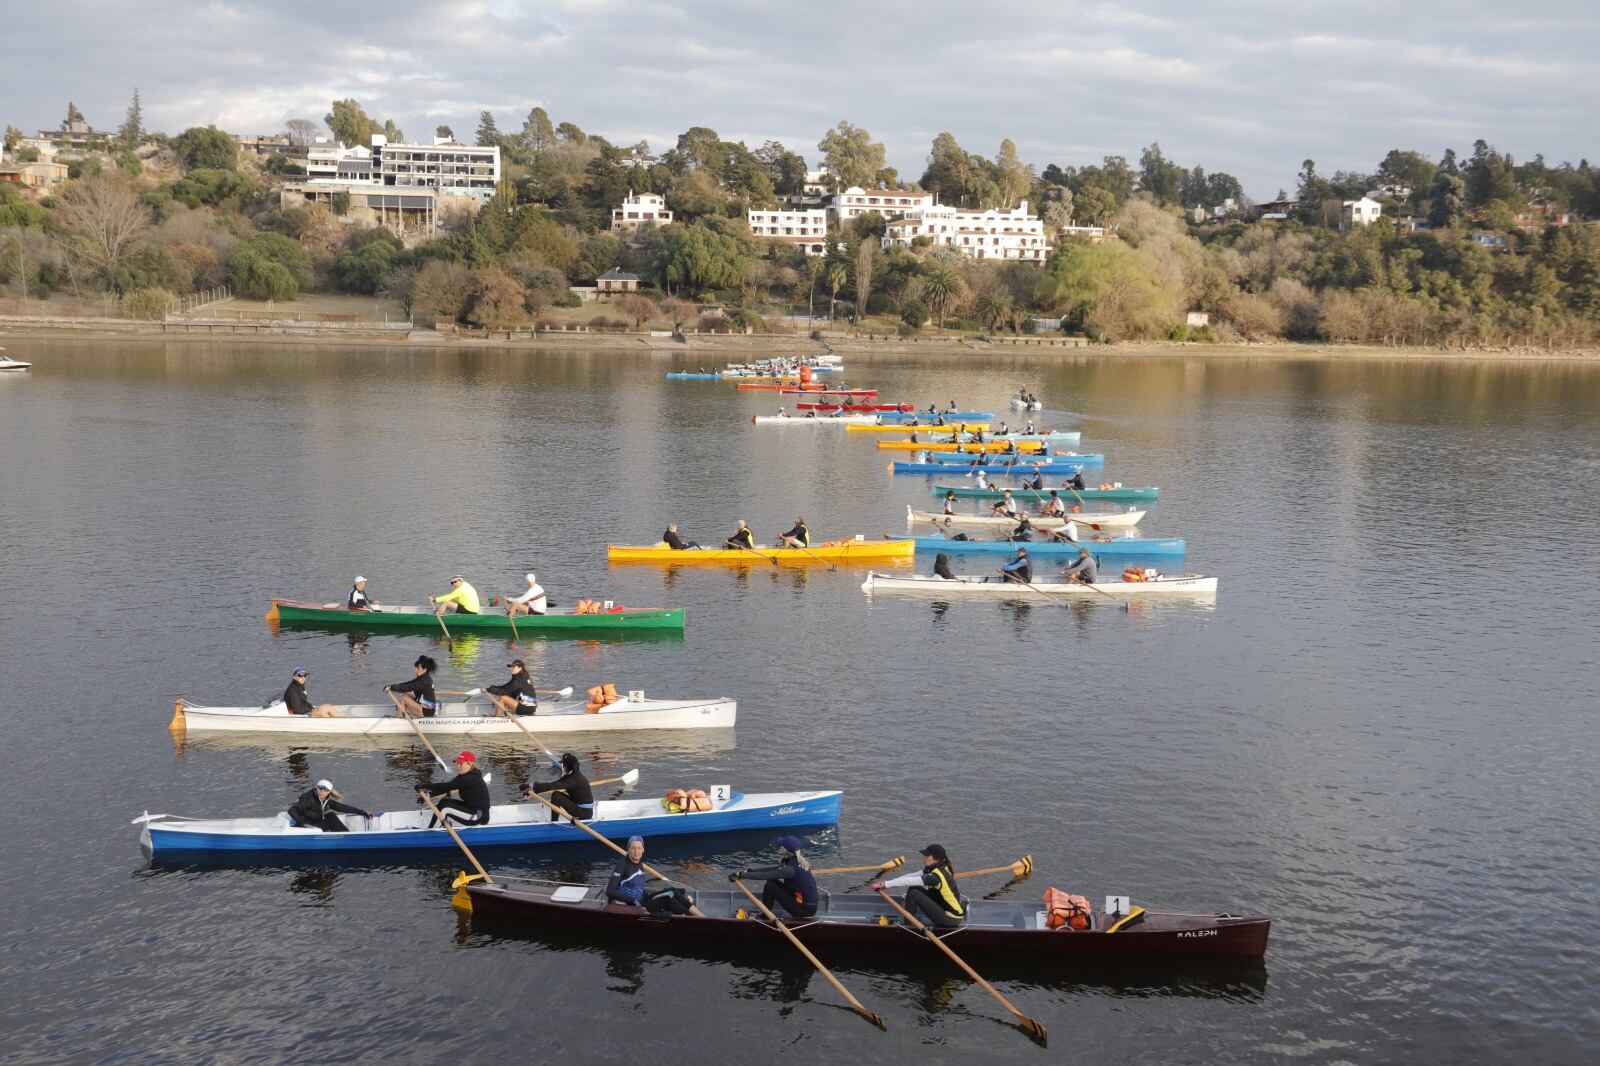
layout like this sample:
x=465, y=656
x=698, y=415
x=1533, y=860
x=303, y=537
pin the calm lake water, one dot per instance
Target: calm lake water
x=1381, y=733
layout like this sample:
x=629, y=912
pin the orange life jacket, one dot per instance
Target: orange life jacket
x=1066, y=911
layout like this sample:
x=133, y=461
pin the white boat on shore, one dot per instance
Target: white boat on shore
x=461, y=719
x=1088, y=521
x=1193, y=585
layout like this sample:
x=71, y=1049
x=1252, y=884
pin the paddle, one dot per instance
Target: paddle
x=831, y=568
x=602, y=839
x=1021, y=868
x=462, y=844
x=438, y=613
x=802, y=949
x=511, y=616
x=1040, y=591
x=882, y=867
x=1036, y=1032
x=745, y=547
x=478, y=691
x=629, y=778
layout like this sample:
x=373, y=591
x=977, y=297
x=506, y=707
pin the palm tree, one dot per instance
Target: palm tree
x=837, y=276
x=993, y=308
x=940, y=287
x=814, y=265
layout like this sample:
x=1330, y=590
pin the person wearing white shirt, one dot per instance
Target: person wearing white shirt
x=531, y=602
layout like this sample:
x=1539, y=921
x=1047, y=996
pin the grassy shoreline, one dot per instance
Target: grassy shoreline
x=737, y=345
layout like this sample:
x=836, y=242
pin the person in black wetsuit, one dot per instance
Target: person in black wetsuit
x=798, y=537
x=627, y=886
x=675, y=542
x=298, y=700
x=742, y=537
x=941, y=567
x=415, y=698
x=1024, y=530
x=470, y=805
x=317, y=807
x=570, y=792
x=1076, y=481
x=516, y=696
x=931, y=893
x=789, y=885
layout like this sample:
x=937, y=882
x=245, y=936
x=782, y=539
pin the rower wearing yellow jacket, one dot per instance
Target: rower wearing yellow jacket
x=931, y=893
x=461, y=599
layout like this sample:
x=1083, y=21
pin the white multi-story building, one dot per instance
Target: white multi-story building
x=805, y=229
x=856, y=201
x=451, y=168
x=640, y=209
x=990, y=234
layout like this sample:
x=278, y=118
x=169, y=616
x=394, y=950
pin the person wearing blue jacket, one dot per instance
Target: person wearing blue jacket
x=627, y=886
x=789, y=884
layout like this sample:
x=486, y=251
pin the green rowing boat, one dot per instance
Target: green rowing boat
x=560, y=620
x=995, y=492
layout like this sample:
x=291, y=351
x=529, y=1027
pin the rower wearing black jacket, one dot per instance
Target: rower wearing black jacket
x=1075, y=481
x=317, y=807
x=470, y=806
x=516, y=696
x=798, y=537
x=742, y=537
x=675, y=542
x=415, y=698
x=790, y=884
x=570, y=792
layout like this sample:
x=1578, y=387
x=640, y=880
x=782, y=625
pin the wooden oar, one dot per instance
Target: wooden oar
x=1035, y=1031
x=462, y=844
x=629, y=778
x=745, y=547
x=412, y=722
x=831, y=568
x=802, y=949
x=548, y=754
x=1021, y=868
x=511, y=615
x=882, y=867
x=439, y=614
x=601, y=838
x=1040, y=591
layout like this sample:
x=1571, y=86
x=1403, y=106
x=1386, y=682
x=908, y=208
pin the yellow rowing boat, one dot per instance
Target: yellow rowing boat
x=865, y=552
x=946, y=445
x=964, y=427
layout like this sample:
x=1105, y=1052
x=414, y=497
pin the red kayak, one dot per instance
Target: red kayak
x=820, y=391
x=855, y=407
x=776, y=386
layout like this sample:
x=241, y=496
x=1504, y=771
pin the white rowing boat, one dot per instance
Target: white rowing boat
x=1190, y=585
x=1090, y=521
x=804, y=420
x=462, y=719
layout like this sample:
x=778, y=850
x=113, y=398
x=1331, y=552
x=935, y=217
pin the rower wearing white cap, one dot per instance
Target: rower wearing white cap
x=318, y=808
x=358, y=600
x=532, y=601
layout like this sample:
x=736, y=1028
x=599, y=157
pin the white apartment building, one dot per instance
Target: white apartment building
x=990, y=234
x=856, y=201
x=806, y=229
x=451, y=168
x=640, y=209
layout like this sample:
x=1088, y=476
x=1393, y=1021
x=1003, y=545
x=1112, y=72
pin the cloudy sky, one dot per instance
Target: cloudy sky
x=1245, y=86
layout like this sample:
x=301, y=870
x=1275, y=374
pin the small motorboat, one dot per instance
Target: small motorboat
x=8, y=363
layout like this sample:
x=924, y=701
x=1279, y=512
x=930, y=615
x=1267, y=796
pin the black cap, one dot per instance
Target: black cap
x=936, y=851
x=517, y=662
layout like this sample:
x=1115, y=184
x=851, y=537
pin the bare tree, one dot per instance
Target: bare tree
x=677, y=312
x=300, y=130
x=26, y=251
x=106, y=210
x=639, y=308
x=864, y=260
x=401, y=287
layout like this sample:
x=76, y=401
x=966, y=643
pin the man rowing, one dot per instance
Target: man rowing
x=1067, y=534
x=415, y=698
x=461, y=599
x=742, y=538
x=516, y=696
x=675, y=542
x=1037, y=482
x=1053, y=507
x=470, y=804
x=1005, y=506
x=1076, y=481
x=789, y=885
x=1019, y=569
x=941, y=568
x=298, y=700
x=570, y=793
x=358, y=600
x=798, y=537
x=1082, y=570
x=627, y=886
x=317, y=807
x=931, y=893
x=983, y=480
x=532, y=601
x=1024, y=530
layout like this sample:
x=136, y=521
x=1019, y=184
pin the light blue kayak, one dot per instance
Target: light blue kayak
x=1121, y=547
x=956, y=460
x=926, y=419
x=988, y=468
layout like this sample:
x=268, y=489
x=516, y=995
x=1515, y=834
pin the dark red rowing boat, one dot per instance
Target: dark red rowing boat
x=994, y=928
x=815, y=391
x=855, y=406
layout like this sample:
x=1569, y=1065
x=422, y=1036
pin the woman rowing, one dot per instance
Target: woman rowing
x=627, y=886
x=949, y=503
x=319, y=808
x=415, y=698
x=470, y=805
x=941, y=568
x=931, y=893
x=789, y=884
x=570, y=793
x=298, y=700
x=516, y=696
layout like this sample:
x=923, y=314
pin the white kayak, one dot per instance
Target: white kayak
x=461, y=719
x=1019, y=404
x=802, y=420
x=1087, y=521
x=993, y=585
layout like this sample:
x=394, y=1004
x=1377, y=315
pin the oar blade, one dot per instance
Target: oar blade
x=631, y=777
x=1035, y=1032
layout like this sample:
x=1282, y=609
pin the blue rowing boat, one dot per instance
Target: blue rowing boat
x=512, y=824
x=1140, y=547
x=1026, y=459
x=926, y=419
x=988, y=468
x=688, y=375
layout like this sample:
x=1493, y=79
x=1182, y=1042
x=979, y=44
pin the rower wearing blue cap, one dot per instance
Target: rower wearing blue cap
x=627, y=886
x=298, y=700
x=789, y=884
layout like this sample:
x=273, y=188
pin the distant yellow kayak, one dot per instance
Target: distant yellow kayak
x=965, y=427
x=865, y=552
x=993, y=447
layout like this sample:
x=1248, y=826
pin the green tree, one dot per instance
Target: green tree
x=814, y=268
x=13, y=138
x=700, y=259
x=73, y=116
x=1012, y=177
x=955, y=176
x=1447, y=199
x=368, y=259
x=350, y=124
x=866, y=254
x=392, y=133
x=285, y=251
x=852, y=156
x=445, y=132
x=206, y=148
x=993, y=309
x=538, y=133
x=256, y=277
x=214, y=187
x=1412, y=170
x=785, y=169
x=1160, y=178
x=488, y=134
x=131, y=134
x=837, y=276
x=914, y=314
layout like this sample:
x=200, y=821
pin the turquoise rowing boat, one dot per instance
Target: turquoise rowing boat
x=994, y=492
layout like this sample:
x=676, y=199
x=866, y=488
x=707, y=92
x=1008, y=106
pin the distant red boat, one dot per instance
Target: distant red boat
x=855, y=407
x=993, y=927
x=830, y=392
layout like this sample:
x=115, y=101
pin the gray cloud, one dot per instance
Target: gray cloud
x=1253, y=88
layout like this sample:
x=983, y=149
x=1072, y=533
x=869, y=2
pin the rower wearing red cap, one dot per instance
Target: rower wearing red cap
x=470, y=804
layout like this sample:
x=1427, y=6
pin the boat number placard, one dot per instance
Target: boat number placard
x=1117, y=905
x=719, y=794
